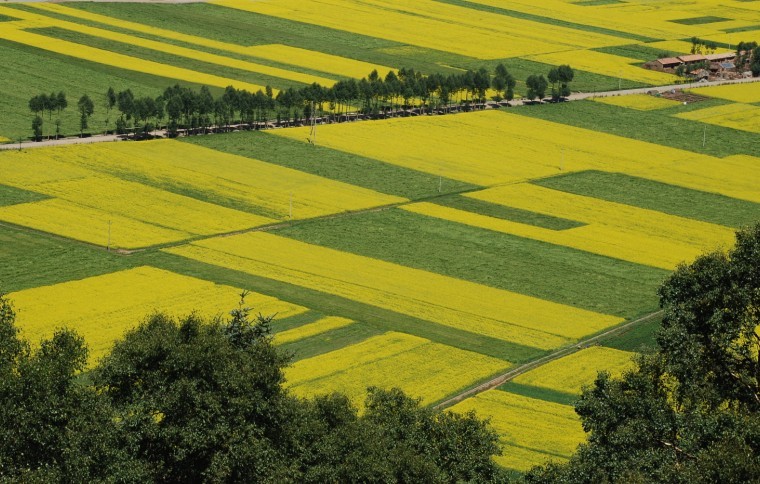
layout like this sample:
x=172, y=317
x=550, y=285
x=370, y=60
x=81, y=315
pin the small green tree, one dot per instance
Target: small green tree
x=86, y=108
x=37, y=128
x=110, y=99
x=537, y=86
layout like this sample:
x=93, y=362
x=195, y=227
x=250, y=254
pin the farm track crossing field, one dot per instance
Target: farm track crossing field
x=571, y=373
x=430, y=370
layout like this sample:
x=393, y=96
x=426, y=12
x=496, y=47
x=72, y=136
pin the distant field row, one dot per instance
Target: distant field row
x=213, y=44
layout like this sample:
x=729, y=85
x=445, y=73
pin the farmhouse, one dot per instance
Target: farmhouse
x=692, y=59
x=666, y=63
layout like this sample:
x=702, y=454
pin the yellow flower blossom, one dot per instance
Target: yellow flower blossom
x=570, y=373
x=444, y=300
x=418, y=366
x=312, y=329
x=103, y=308
x=532, y=431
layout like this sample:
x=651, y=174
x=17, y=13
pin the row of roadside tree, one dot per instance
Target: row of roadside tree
x=403, y=92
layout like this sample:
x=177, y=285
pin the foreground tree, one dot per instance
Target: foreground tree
x=52, y=428
x=690, y=412
x=200, y=401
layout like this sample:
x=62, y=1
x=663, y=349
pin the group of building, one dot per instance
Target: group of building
x=700, y=66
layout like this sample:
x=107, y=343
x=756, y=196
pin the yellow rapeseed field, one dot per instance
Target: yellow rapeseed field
x=85, y=201
x=601, y=240
x=318, y=61
x=501, y=147
x=570, y=373
x=607, y=65
x=734, y=176
x=171, y=48
x=506, y=147
x=263, y=187
x=444, y=300
x=740, y=93
x=282, y=54
x=312, y=329
x=103, y=308
x=653, y=19
x=418, y=366
x=615, y=229
x=433, y=25
x=532, y=431
x=90, y=225
x=121, y=61
x=676, y=46
x=745, y=117
x=639, y=102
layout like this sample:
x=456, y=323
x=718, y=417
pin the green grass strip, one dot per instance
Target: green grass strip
x=507, y=213
x=379, y=318
x=595, y=3
x=330, y=341
x=710, y=19
x=283, y=324
x=651, y=126
x=336, y=165
x=746, y=28
x=548, y=20
x=495, y=259
x=539, y=393
x=640, y=338
x=637, y=51
x=13, y=196
x=30, y=259
x=654, y=195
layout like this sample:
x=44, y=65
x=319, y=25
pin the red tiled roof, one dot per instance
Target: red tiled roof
x=692, y=58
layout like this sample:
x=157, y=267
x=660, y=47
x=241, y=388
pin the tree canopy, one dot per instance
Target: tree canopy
x=203, y=401
x=691, y=411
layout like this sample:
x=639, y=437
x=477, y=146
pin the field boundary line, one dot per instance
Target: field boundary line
x=532, y=365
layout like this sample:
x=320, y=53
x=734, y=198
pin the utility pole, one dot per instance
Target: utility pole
x=704, y=137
